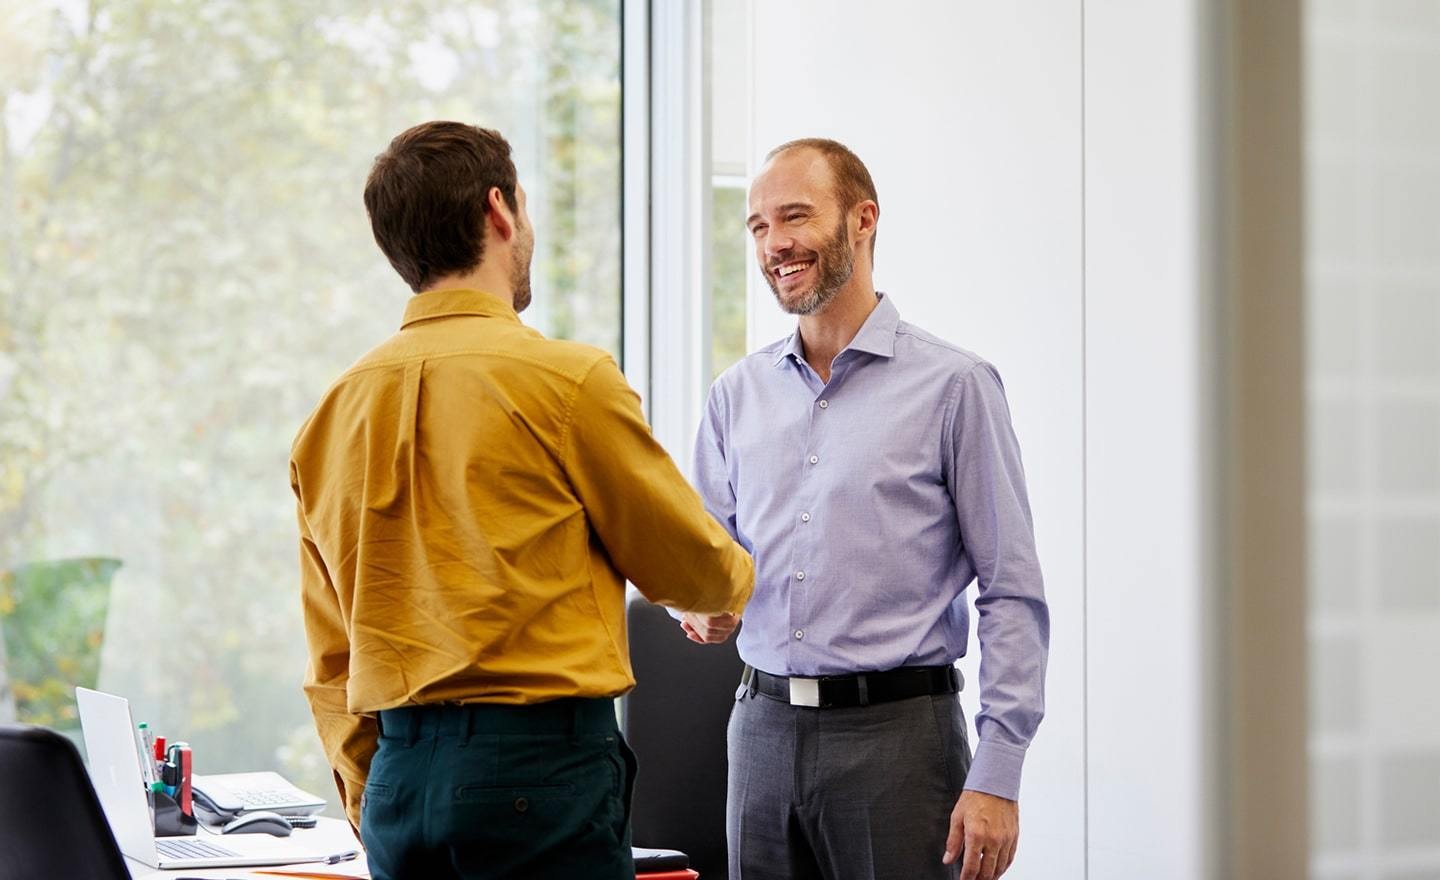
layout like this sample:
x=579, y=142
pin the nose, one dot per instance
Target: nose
x=777, y=244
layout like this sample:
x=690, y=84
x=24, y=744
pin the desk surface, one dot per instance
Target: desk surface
x=330, y=835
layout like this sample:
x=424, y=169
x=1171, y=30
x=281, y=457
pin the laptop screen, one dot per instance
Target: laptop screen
x=115, y=770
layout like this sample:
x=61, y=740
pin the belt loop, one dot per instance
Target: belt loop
x=863, y=687
x=467, y=724
x=953, y=675
x=750, y=680
x=412, y=726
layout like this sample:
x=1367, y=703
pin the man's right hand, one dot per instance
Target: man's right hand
x=708, y=629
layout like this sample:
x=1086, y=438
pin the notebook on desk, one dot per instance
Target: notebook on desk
x=115, y=772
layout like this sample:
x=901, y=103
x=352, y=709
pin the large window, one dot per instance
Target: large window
x=731, y=251
x=185, y=264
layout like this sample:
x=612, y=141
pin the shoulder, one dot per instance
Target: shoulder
x=962, y=372
x=518, y=347
x=525, y=361
x=572, y=360
x=755, y=366
x=913, y=341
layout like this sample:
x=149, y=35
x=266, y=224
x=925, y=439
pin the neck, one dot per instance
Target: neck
x=825, y=334
x=486, y=278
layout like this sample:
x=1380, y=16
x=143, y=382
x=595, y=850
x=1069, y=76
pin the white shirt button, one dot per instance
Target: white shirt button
x=814, y=459
x=799, y=633
x=824, y=404
x=799, y=575
x=804, y=517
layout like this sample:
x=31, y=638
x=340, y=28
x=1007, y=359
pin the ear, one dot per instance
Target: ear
x=868, y=215
x=500, y=215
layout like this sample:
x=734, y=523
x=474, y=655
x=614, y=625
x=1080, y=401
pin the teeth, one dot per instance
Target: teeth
x=792, y=269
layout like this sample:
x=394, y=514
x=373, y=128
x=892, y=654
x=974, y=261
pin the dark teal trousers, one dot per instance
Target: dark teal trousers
x=489, y=792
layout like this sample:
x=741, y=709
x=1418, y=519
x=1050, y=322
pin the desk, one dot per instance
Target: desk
x=331, y=835
x=328, y=835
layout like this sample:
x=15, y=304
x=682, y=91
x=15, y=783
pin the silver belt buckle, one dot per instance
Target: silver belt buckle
x=805, y=692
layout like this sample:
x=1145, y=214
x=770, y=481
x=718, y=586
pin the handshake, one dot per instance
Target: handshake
x=708, y=629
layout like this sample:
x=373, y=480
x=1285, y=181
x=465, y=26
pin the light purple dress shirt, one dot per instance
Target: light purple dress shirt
x=870, y=503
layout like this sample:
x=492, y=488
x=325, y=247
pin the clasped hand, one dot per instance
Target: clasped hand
x=708, y=629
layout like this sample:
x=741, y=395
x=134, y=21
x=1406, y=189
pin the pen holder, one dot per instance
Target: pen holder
x=169, y=820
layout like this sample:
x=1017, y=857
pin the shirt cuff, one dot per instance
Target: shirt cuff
x=996, y=770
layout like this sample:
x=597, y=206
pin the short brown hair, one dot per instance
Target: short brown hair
x=852, y=179
x=427, y=196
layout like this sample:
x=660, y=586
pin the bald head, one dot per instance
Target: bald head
x=850, y=181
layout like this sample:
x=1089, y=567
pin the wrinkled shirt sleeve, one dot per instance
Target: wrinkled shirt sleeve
x=987, y=482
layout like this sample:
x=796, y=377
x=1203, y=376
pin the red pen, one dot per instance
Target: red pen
x=159, y=748
x=185, y=804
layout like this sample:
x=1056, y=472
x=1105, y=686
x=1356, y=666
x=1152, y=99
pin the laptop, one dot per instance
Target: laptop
x=115, y=772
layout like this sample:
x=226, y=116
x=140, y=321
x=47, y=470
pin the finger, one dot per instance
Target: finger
x=970, y=866
x=691, y=634
x=975, y=848
x=989, y=861
x=1005, y=861
x=956, y=836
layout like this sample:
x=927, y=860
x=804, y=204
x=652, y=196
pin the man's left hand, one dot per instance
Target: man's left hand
x=986, y=829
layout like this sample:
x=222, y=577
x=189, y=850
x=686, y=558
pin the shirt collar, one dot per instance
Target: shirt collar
x=449, y=303
x=876, y=336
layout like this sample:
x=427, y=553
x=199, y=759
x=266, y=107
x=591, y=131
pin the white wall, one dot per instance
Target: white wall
x=1038, y=206
x=1149, y=438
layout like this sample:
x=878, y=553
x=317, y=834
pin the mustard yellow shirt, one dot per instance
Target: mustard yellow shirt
x=472, y=498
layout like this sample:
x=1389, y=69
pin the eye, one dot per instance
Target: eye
x=758, y=229
x=792, y=217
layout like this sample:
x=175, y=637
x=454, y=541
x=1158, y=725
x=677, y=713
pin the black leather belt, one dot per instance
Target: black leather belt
x=858, y=689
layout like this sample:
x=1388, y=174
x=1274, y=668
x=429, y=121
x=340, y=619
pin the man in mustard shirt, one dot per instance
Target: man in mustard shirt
x=471, y=499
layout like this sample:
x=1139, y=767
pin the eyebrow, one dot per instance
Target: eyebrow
x=788, y=206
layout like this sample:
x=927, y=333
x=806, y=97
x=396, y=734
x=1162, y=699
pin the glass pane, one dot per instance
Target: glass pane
x=727, y=28
x=185, y=264
x=730, y=259
x=1373, y=311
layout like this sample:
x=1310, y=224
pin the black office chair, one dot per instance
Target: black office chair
x=51, y=824
x=675, y=721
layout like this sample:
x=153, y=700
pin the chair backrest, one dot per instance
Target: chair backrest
x=675, y=721
x=51, y=824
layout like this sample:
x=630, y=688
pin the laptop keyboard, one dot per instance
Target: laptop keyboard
x=190, y=848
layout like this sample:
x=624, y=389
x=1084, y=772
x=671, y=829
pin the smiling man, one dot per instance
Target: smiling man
x=872, y=471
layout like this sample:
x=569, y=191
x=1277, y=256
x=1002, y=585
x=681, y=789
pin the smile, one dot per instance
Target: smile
x=791, y=268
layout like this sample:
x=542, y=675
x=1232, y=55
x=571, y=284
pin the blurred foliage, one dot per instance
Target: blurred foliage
x=53, y=616
x=185, y=264
x=730, y=251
